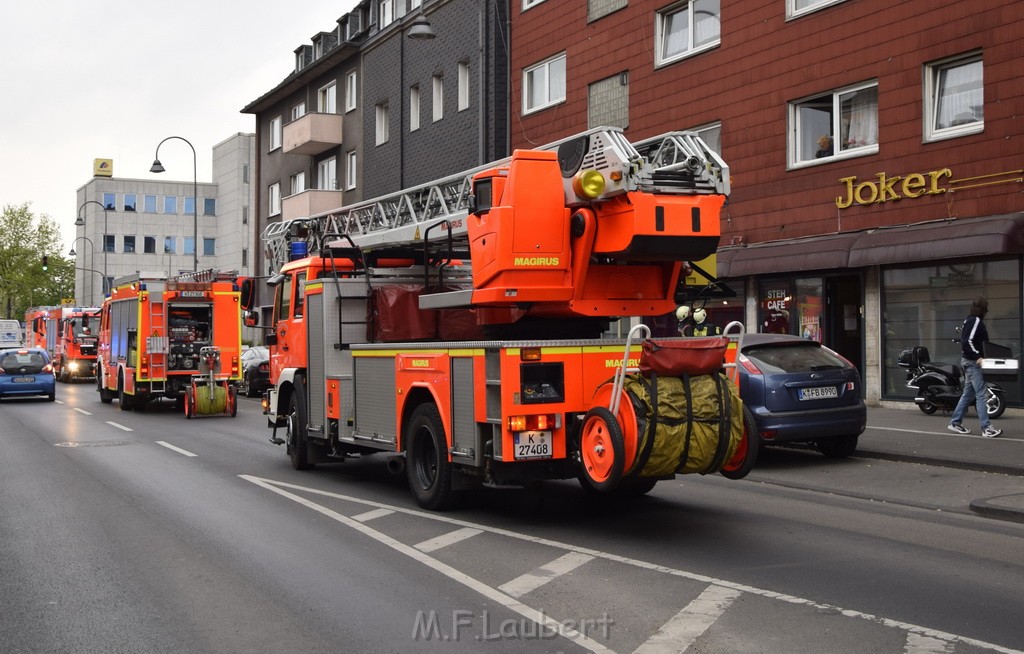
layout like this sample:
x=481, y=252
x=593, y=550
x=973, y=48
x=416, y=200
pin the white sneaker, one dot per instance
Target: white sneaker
x=957, y=428
x=991, y=432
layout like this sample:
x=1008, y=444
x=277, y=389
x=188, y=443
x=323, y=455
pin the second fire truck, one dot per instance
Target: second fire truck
x=70, y=334
x=458, y=325
x=153, y=328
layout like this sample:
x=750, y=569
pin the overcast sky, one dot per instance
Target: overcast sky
x=85, y=80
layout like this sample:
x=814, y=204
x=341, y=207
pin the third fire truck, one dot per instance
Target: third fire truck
x=458, y=325
x=70, y=334
x=153, y=329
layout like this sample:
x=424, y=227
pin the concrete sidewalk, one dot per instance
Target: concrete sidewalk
x=902, y=432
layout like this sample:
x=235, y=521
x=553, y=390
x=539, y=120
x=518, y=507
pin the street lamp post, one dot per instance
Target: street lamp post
x=92, y=249
x=159, y=168
x=80, y=222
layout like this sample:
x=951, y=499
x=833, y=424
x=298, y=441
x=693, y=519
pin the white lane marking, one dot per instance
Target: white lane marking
x=444, y=540
x=372, y=515
x=121, y=427
x=565, y=564
x=550, y=625
x=918, y=644
x=948, y=433
x=271, y=484
x=82, y=411
x=176, y=449
x=685, y=627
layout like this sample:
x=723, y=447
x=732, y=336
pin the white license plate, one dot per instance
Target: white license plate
x=532, y=445
x=818, y=392
x=23, y=380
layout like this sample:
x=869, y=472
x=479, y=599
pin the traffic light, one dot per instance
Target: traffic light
x=45, y=262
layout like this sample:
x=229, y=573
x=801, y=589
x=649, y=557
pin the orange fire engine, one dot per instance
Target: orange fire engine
x=459, y=325
x=69, y=334
x=152, y=330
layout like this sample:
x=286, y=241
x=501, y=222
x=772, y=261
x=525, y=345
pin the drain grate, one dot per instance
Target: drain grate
x=95, y=443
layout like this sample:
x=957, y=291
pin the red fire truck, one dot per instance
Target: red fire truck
x=152, y=329
x=461, y=325
x=69, y=334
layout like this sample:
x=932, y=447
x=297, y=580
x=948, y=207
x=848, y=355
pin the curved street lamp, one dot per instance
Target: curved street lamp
x=80, y=222
x=92, y=249
x=159, y=168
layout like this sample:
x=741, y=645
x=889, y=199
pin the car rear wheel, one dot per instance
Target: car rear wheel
x=839, y=447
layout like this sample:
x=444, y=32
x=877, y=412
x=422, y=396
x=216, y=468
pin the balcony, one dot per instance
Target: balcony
x=312, y=134
x=310, y=203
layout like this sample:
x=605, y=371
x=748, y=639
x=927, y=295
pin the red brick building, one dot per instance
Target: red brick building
x=876, y=151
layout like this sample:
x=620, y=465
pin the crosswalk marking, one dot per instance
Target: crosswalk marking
x=685, y=627
x=372, y=515
x=921, y=644
x=444, y=540
x=542, y=575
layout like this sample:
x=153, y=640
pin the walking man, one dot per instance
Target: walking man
x=972, y=335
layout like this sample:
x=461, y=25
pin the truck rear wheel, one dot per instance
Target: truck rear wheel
x=295, y=435
x=427, y=466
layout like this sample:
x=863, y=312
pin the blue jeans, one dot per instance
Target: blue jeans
x=974, y=391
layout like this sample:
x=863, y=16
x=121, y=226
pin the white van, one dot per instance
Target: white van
x=10, y=334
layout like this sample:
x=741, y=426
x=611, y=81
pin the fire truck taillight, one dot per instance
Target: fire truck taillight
x=144, y=367
x=529, y=354
x=234, y=366
x=543, y=422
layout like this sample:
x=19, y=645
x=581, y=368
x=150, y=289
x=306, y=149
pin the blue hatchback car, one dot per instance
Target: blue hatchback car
x=26, y=372
x=801, y=391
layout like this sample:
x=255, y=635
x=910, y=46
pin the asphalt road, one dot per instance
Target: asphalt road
x=144, y=532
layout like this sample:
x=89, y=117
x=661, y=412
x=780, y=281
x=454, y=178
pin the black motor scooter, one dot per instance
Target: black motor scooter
x=939, y=385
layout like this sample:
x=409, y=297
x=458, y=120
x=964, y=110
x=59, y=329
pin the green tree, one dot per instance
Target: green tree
x=24, y=239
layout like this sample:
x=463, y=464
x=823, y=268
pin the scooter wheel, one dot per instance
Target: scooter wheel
x=927, y=408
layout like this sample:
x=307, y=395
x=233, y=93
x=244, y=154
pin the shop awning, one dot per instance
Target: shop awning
x=945, y=240
x=932, y=241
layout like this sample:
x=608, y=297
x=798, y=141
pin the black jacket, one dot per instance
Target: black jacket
x=972, y=336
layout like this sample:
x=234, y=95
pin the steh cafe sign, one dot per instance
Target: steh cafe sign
x=887, y=189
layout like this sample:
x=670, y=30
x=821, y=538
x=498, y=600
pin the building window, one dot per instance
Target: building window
x=795, y=8
x=531, y=3
x=711, y=134
x=274, y=198
x=835, y=125
x=686, y=28
x=298, y=111
x=544, y=84
x=438, y=107
x=385, y=13
x=608, y=101
x=275, y=133
x=414, y=108
x=149, y=245
x=209, y=206
x=382, y=124
x=130, y=201
x=149, y=203
x=190, y=245
x=110, y=201
x=327, y=99
x=209, y=247
x=170, y=246
x=350, y=169
x=350, y=91
x=298, y=182
x=245, y=215
x=954, y=97
x=129, y=245
x=108, y=242
x=463, y=86
x=245, y=257
x=190, y=205
x=327, y=174
x=245, y=173
x=171, y=204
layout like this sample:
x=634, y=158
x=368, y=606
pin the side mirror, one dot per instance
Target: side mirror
x=248, y=293
x=250, y=318
x=270, y=339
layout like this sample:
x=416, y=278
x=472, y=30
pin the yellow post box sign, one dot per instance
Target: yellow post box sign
x=102, y=167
